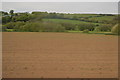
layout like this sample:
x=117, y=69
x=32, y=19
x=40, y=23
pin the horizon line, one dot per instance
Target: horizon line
x=59, y=12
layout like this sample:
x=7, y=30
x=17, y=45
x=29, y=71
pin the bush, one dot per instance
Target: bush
x=97, y=29
x=115, y=29
x=6, y=19
x=86, y=31
x=52, y=27
x=105, y=27
x=68, y=26
x=29, y=27
x=40, y=27
x=13, y=25
x=4, y=28
x=10, y=25
x=85, y=26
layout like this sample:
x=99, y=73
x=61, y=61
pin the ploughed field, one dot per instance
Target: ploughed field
x=59, y=55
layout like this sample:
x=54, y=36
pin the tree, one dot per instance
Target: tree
x=4, y=13
x=52, y=15
x=11, y=12
x=6, y=19
x=4, y=28
x=75, y=18
x=76, y=28
x=40, y=14
x=105, y=27
x=52, y=27
x=10, y=25
x=88, y=26
x=23, y=17
x=61, y=16
x=68, y=26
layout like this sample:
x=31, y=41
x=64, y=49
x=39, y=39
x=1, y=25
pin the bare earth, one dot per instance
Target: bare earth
x=59, y=55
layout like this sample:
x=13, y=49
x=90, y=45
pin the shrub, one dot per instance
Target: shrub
x=14, y=25
x=68, y=26
x=29, y=27
x=105, y=27
x=85, y=26
x=97, y=29
x=40, y=27
x=6, y=19
x=115, y=29
x=76, y=28
x=86, y=31
x=23, y=17
x=3, y=28
x=10, y=25
x=52, y=27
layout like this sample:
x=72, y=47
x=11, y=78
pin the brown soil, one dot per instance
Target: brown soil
x=59, y=55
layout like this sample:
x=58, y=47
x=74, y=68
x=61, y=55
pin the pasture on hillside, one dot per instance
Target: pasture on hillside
x=58, y=22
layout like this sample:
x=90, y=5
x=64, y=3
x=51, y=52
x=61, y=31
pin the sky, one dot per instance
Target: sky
x=60, y=0
x=63, y=7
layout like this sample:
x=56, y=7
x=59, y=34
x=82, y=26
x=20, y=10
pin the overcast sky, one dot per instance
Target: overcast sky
x=60, y=0
x=63, y=7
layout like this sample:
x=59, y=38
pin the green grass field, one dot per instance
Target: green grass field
x=67, y=21
x=108, y=18
x=10, y=30
x=80, y=15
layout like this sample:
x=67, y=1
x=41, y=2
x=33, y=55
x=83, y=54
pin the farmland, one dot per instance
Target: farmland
x=66, y=21
x=59, y=45
x=59, y=55
x=59, y=22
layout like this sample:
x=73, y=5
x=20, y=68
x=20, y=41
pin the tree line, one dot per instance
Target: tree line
x=33, y=22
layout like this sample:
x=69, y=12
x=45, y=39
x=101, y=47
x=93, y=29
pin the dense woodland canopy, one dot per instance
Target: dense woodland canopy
x=57, y=22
